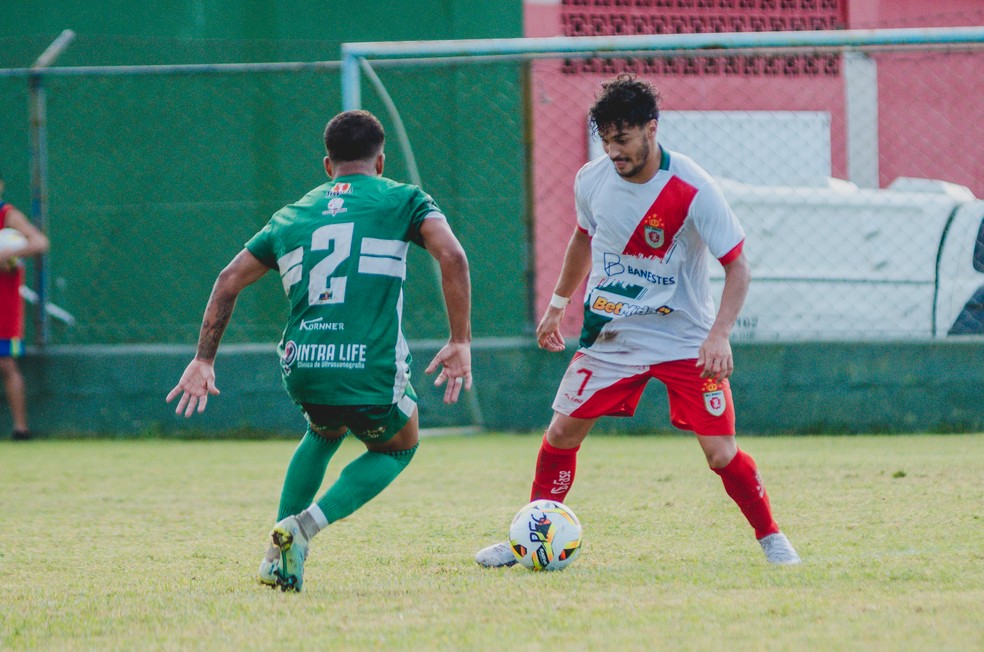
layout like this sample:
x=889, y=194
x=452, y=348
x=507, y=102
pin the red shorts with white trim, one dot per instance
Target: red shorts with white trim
x=593, y=388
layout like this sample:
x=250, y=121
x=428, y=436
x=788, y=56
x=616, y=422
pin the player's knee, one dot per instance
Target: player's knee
x=566, y=432
x=717, y=459
x=328, y=434
x=718, y=451
x=403, y=457
x=561, y=439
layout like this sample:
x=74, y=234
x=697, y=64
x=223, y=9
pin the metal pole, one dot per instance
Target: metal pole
x=704, y=41
x=39, y=202
x=351, y=82
x=39, y=174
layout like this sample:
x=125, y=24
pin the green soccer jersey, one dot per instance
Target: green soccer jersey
x=342, y=256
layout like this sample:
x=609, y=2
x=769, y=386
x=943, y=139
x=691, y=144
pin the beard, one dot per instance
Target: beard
x=643, y=159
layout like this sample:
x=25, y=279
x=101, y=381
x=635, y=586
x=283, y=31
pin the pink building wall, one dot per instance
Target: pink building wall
x=907, y=144
x=919, y=135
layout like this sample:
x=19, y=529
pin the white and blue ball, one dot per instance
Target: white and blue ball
x=545, y=535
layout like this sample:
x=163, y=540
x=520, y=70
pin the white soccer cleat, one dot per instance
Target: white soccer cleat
x=496, y=556
x=778, y=550
x=290, y=540
x=270, y=566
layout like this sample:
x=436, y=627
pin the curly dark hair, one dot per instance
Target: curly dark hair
x=624, y=101
x=354, y=136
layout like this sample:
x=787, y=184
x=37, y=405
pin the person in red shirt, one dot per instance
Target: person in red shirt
x=12, y=309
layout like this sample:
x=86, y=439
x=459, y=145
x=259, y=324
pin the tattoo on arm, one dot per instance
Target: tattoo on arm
x=212, y=330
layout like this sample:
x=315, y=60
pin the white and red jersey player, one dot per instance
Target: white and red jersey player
x=648, y=307
x=648, y=222
x=648, y=296
x=649, y=314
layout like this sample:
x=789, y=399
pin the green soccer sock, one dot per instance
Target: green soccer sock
x=361, y=481
x=306, y=472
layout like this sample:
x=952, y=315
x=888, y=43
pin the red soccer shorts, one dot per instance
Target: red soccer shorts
x=593, y=388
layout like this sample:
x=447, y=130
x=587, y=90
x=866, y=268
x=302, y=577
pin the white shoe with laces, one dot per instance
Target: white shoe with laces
x=496, y=556
x=778, y=550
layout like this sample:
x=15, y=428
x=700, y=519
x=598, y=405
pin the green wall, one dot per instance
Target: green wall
x=156, y=181
x=889, y=388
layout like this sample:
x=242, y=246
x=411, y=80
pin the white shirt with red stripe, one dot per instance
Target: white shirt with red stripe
x=648, y=296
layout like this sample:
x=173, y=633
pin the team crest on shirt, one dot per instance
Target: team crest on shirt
x=654, y=234
x=336, y=205
x=654, y=231
x=714, y=401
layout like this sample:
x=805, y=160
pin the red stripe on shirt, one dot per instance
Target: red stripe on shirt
x=655, y=232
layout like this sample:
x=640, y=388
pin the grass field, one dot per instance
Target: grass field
x=152, y=545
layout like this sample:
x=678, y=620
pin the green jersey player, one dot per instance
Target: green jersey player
x=341, y=253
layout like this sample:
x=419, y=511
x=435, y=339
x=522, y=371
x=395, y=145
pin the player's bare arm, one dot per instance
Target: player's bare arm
x=454, y=358
x=576, y=266
x=37, y=242
x=715, y=356
x=198, y=379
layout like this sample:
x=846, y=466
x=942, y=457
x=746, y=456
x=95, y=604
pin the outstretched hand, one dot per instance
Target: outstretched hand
x=454, y=358
x=197, y=382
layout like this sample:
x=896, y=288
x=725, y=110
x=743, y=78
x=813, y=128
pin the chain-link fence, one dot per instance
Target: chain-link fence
x=158, y=176
x=155, y=182
x=855, y=171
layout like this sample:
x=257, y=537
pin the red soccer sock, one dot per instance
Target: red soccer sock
x=554, y=472
x=744, y=485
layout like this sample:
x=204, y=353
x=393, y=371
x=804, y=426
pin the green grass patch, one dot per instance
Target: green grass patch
x=153, y=545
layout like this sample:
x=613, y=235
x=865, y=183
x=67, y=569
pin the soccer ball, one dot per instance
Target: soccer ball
x=545, y=535
x=10, y=239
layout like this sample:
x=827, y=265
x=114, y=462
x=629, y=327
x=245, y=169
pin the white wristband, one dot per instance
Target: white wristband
x=557, y=301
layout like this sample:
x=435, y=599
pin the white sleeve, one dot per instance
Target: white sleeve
x=716, y=223
x=585, y=220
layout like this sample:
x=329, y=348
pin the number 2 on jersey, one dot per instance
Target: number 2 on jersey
x=322, y=287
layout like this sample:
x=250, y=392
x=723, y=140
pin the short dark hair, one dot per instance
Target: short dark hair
x=624, y=101
x=354, y=136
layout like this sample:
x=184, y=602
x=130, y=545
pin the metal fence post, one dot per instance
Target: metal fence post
x=39, y=173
